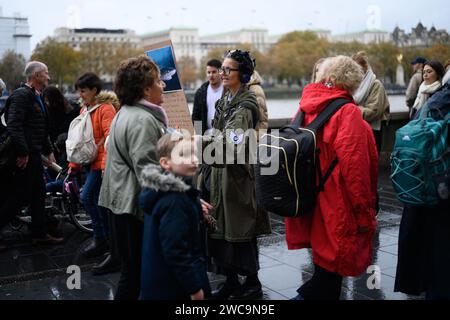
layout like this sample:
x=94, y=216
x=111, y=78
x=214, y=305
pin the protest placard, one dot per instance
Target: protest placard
x=175, y=102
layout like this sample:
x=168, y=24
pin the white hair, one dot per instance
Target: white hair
x=32, y=67
x=342, y=71
x=2, y=84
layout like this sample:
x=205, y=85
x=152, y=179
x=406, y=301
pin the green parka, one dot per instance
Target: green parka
x=233, y=183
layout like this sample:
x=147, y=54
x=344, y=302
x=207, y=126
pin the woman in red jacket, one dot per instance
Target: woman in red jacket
x=341, y=228
x=89, y=86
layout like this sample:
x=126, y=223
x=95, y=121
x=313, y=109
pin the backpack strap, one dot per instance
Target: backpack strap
x=323, y=179
x=93, y=108
x=298, y=120
x=102, y=140
x=316, y=125
x=326, y=114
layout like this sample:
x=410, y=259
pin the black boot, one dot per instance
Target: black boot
x=251, y=290
x=226, y=289
x=108, y=265
x=3, y=246
x=95, y=248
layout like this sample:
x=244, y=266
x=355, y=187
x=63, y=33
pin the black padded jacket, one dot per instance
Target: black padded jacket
x=27, y=122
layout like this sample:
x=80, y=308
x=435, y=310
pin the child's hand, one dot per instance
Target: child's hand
x=206, y=208
x=198, y=296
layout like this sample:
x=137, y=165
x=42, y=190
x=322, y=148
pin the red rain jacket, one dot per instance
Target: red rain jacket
x=348, y=201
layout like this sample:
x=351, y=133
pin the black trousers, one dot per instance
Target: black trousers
x=128, y=233
x=324, y=285
x=112, y=239
x=378, y=134
x=25, y=187
x=424, y=252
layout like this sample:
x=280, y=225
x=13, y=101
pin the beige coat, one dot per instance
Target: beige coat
x=413, y=88
x=255, y=86
x=376, y=107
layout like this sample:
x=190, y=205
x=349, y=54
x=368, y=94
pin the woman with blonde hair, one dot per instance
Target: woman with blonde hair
x=342, y=225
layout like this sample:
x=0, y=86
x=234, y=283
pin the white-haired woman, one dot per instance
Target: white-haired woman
x=340, y=229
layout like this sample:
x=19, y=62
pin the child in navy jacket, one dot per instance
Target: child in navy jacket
x=174, y=248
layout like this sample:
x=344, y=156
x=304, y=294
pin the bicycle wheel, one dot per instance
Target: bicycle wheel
x=78, y=215
x=16, y=224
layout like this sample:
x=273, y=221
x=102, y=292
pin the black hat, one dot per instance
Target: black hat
x=419, y=60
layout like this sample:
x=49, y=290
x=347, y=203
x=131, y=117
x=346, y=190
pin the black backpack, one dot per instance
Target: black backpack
x=292, y=190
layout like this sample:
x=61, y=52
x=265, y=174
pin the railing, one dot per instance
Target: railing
x=399, y=117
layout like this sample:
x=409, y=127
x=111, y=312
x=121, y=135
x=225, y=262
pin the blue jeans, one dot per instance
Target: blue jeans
x=89, y=198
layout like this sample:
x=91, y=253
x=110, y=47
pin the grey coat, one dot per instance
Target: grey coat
x=134, y=134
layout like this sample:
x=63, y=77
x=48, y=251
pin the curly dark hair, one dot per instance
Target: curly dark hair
x=132, y=77
x=246, y=63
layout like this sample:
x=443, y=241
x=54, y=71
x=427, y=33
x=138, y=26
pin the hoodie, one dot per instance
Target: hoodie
x=173, y=249
x=347, y=203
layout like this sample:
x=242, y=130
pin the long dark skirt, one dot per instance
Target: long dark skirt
x=424, y=252
x=233, y=257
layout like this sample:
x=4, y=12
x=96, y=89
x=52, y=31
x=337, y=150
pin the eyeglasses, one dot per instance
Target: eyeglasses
x=226, y=71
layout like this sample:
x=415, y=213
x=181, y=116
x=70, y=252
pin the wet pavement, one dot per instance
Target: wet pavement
x=39, y=273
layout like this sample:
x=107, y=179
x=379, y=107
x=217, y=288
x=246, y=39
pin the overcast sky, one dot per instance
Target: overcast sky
x=211, y=17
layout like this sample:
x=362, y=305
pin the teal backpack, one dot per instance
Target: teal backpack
x=420, y=161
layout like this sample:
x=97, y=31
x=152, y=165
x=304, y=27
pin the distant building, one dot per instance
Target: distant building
x=187, y=42
x=366, y=37
x=76, y=37
x=420, y=36
x=14, y=35
x=322, y=33
x=258, y=38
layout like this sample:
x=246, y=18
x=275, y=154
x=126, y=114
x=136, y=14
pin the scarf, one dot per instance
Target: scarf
x=363, y=91
x=425, y=91
x=157, y=108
